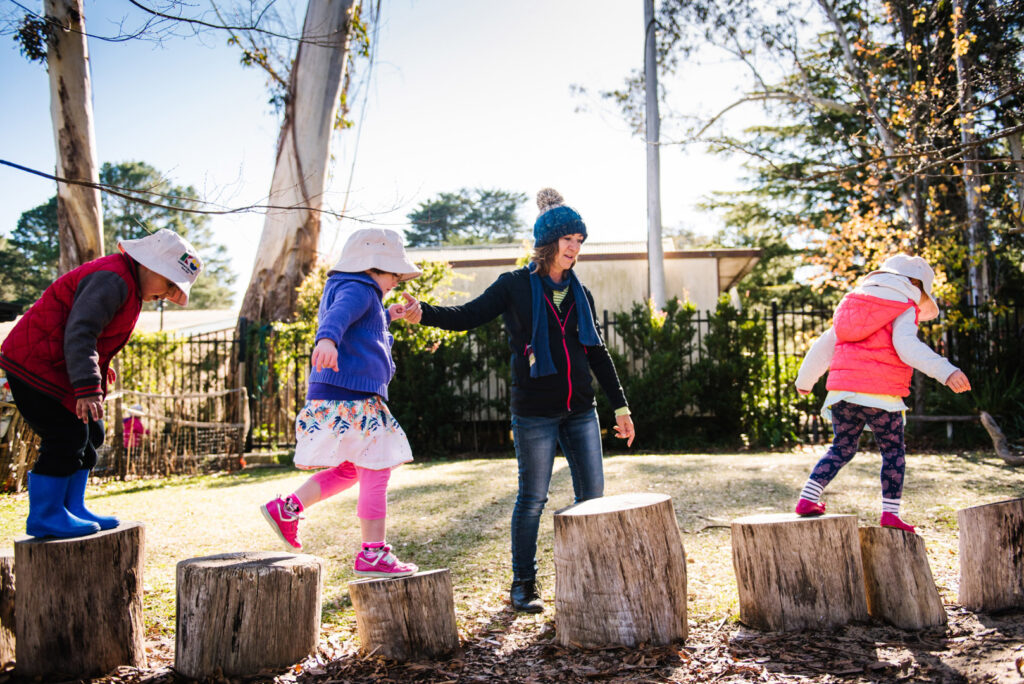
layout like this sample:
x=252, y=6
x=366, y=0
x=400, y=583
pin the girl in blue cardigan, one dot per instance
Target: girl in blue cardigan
x=345, y=428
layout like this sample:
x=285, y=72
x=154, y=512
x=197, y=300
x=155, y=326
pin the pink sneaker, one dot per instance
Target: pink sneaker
x=808, y=507
x=380, y=562
x=284, y=516
x=893, y=520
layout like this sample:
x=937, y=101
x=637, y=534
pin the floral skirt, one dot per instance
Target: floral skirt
x=362, y=432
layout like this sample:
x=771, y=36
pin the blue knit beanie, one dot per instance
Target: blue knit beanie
x=555, y=219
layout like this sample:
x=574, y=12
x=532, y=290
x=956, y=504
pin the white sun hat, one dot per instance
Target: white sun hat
x=172, y=256
x=379, y=248
x=914, y=267
x=135, y=410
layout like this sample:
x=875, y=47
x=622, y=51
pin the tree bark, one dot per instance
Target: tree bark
x=78, y=607
x=898, y=580
x=239, y=613
x=999, y=441
x=287, y=249
x=620, y=572
x=992, y=556
x=406, y=618
x=798, y=573
x=79, y=211
x=8, y=629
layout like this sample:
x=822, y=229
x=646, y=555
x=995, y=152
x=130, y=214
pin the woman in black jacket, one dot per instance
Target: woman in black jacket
x=555, y=345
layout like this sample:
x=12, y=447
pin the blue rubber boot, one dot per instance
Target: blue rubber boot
x=47, y=516
x=75, y=502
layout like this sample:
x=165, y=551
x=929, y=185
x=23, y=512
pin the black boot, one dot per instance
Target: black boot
x=526, y=596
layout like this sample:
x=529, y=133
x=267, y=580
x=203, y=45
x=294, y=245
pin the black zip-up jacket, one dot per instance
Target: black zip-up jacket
x=570, y=388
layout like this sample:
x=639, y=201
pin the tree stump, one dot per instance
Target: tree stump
x=239, y=613
x=798, y=573
x=898, y=580
x=992, y=556
x=620, y=572
x=406, y=618
x=78, y=607
x=7, y=626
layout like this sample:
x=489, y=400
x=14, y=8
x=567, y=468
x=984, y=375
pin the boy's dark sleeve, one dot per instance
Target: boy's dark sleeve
x=97, y=300
x=602, y=366
x=472, y=314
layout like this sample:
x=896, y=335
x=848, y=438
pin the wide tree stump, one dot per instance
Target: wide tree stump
x=239, y=613
x=406, y=618
x=992, y=556
x=898, y=580
x=78, y=606
x=798, y=573
x=7, y=626
x=620, y=572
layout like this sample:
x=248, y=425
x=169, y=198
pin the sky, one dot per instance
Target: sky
x=463, y=93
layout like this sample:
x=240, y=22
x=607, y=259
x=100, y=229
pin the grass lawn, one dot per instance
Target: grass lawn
x=455, y=514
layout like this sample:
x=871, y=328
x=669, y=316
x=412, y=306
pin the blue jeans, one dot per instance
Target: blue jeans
x=535, y=438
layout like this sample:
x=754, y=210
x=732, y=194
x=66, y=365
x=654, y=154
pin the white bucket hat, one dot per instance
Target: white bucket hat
x=135, y=410
x=379, y=248
x=914, y=267
x=172, y=256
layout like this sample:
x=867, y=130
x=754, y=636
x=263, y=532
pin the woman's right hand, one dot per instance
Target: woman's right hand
x=325, y=355
x=413, y=312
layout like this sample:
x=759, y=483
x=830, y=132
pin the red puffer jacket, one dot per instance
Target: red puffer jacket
x=865, y=359
x=63, y=345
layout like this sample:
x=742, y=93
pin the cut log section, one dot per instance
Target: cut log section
x=7, y=626
x=992, y=556
x=898, y=580
x=797, y=573
x=620, y=572
x=239, y=613
x=78, y=605
x=406, y=618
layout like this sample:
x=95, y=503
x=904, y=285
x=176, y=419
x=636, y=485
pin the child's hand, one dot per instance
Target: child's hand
x=89, y=408
x=958, y=382
x=803, y=392
x=624, y=429
x=396, y=311
x=325, y=355
x=413, y=312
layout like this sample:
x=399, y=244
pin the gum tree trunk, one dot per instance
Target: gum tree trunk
x=287, y=248
x=79, y=212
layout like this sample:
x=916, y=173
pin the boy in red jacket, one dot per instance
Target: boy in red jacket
x=870, y=353
x=57, y=359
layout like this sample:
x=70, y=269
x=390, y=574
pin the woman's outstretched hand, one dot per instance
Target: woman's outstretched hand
x=624, y=429
x=411, y=309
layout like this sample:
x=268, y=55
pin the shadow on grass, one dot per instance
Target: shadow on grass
x=205, y=480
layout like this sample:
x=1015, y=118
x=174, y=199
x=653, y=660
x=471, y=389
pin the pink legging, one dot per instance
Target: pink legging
x=373, y=487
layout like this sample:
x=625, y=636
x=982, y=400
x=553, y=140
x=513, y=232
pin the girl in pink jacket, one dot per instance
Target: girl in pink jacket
x=870, y=353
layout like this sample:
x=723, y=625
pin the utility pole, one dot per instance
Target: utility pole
x=655, y=254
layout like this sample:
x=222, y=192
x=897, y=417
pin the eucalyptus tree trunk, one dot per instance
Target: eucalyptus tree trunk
x=287, y=248
x=977, y=252
x=79, y=212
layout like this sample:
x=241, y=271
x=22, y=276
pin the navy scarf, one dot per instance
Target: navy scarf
x=543, y=365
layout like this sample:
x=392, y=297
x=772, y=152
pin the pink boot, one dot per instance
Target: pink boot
x=893, y=520
x=808, y=507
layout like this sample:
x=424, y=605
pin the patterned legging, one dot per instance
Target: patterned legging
x=848, y=421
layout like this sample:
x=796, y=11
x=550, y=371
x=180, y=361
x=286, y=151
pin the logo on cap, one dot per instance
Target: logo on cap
x=189, y=264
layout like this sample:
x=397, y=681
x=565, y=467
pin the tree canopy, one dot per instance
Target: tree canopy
x=886, y=126
x=467, y=217
x=28, y=262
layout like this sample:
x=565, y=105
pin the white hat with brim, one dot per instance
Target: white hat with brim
x=170, y=255
x=135, y=410
x=914, y=267
x=379, y=248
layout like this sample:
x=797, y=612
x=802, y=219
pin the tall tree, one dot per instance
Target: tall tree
x=28, y=262
x=287, y=248
x=886, y=126
x=467, y=217
x=66, y=53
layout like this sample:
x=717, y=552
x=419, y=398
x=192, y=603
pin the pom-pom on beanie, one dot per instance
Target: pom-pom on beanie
x=555, y=219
